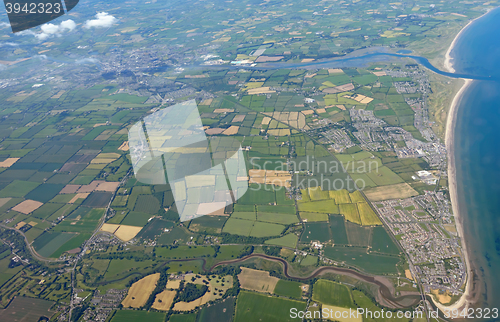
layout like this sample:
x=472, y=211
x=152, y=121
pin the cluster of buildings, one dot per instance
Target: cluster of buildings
x=338, y=139
x=423, y=226
x=102, y=305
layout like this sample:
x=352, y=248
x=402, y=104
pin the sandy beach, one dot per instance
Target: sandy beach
x=452, y=180
x=452, y=183
x=447, y=62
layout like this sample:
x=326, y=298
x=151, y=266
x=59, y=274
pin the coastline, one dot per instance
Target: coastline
x=447, y=62
x=452, y=183
x=452, y=180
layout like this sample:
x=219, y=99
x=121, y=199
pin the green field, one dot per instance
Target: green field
x=184, y=251
x=358, y=235
x=312, y=216
x=134, y=316
x=289, y=240
x=382, y=242
x=323, y=206
x=86, y=224
x=229, y=251
x=49, y=242
x=331, y=293
x=315, y=231
x=147, y=204
x=18, y=188
x=309, y=260
x=73, y=243
x=26, y=309
x=369, y=262
x=44, y=192
x=118, y=267
x=218, y=312
x=238, y=226
x=288, y=289
x=338, y=231
x=186, y=317
x=263, y=229
x=277, y=218
x=259, y=307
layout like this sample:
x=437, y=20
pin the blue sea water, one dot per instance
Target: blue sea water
x=477, y=151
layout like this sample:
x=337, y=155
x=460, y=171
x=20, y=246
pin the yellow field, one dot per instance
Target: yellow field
x=81, y=195
x=356, y=196
x=3, y=201
x=124, y=146
x=109, y=228
x=335, y=71
x=164, y=300
x=8, y=162
x=28, y=206
x=340, y=196
x=337, y=314
x=367, y=215
x=238, y=118
x=233, y=129
x=316, y=193
x=278, y=178
x=223, y=110
x=266, y=120
x=294, y=119
x=255, y=280
x=214, y=285
x=173, y=284
x=126, y=233
x=139, y=292
x=102, y=161
x=20, y=224
x=105, y=158
x=350, y=212
x=279, y=132
x=395, y=191
x=207, y=101
x=107, y=186
x=260, y=90
x=252, y=85
x=408, y=274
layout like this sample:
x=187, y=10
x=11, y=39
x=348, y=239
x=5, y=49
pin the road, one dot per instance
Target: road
x=84, y=248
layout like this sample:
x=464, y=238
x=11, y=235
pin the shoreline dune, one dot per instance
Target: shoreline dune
x=452, y=180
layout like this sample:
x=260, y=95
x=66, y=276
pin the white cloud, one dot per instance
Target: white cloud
x=103, y=20
x=87, y=61
x=12, y=44
x=50, y=29
x=27, y=32
x=4, y=24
